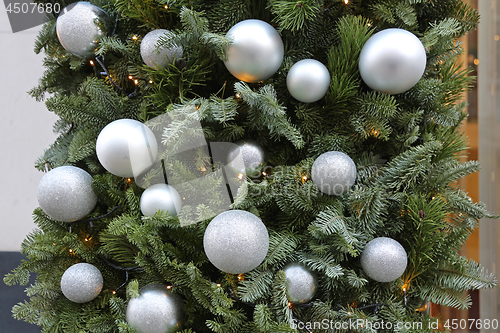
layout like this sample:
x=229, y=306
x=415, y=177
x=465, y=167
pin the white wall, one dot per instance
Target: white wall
x=25, y=131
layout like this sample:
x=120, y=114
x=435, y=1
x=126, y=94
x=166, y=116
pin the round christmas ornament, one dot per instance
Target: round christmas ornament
x=65, y=194
x=81, y=283
x=79, y=28
x=126, y=147
x=158, y=57
x=308, y=80
x=156, y=310
x=236, y=241
x=333, y=172
x=253, y=156
x=256, y=52
x=160, y=197
x=301, y=283
x=384, y=259
x=392, y=61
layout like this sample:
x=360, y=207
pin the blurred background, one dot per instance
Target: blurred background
x=26, y=130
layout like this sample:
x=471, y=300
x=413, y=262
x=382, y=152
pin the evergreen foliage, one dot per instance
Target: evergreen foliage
x=406, y=147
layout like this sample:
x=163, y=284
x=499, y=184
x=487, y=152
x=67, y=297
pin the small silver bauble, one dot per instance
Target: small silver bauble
x=126, y=147
x=308, y=80
x=333, y=172
x=81, y=283
x=156, y=310
x=160, y=197
x=384, y=259
x=392, y=61
x=236, y=241
x=253, y=156
x=79, y=28
x=65, y=194
x=256, y=52
x=301, y=283
x=158, y=57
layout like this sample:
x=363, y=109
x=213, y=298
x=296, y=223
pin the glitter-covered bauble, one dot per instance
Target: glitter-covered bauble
x=253, y=156
x=156, y=310
x=81, y=283
x=126, y=147
x=308, y=80
x=301, y=283
x=384, y=259
x=159, y=57
x=65, y=194
x=79, y=28
x=333, y=172
x=256, y=52
x=160, y=197
x=392, y=61
x=236, y=241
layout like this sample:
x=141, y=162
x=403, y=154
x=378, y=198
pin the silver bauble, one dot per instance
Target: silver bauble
x=158, y=57
x=126, y=147
x=160, y=197
x=392, y=61
x=333, y=172
x=256, y=52
x=301, y=283
x=384, y=259
x=253, y=156
x=156, y=310
x=81, y=283
x=236, y=241
x=308, y=80
x=79, y=28
x=65, y=194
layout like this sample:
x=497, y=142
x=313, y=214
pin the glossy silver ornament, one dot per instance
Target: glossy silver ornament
x=156, y=310
x=81, y=283
x=334, y=173
x=159, y=57
x=126, y=147
x=80, y=26
x=384, y=259
x=65, y=193
x=392, y=61
x=301, y=283
x=253, y=156
x=160, y=197
x=256, y=52
x=236, y=241
x=308, y=80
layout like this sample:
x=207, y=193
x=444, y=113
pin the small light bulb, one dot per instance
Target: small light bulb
x=134, y=37
x=241, y=176
x=150, y=81
x=130, y=77
x=70, y=250
x=91, y=62
x=346, y=1
x=218, y=284
x=237, y=95
x=114, y=292
x=264, y=174
x=203, y=169
x=136, y=81
x=169, y=287
x=166, y=6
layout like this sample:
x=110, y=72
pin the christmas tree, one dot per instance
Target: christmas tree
x=311, y=151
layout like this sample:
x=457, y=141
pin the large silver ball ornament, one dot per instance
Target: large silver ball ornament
x=334, y=173
x=79, y=28
x=253, y=156
x=160, y=197
x=65, y=194
x=236, y=241
x=392, y=61
x=301, y=283
x=81, y=283
x=256, y=52
x=159, y=57
x=156, y=310
x=126, y=147
x=384, y=259
x=308, y=80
